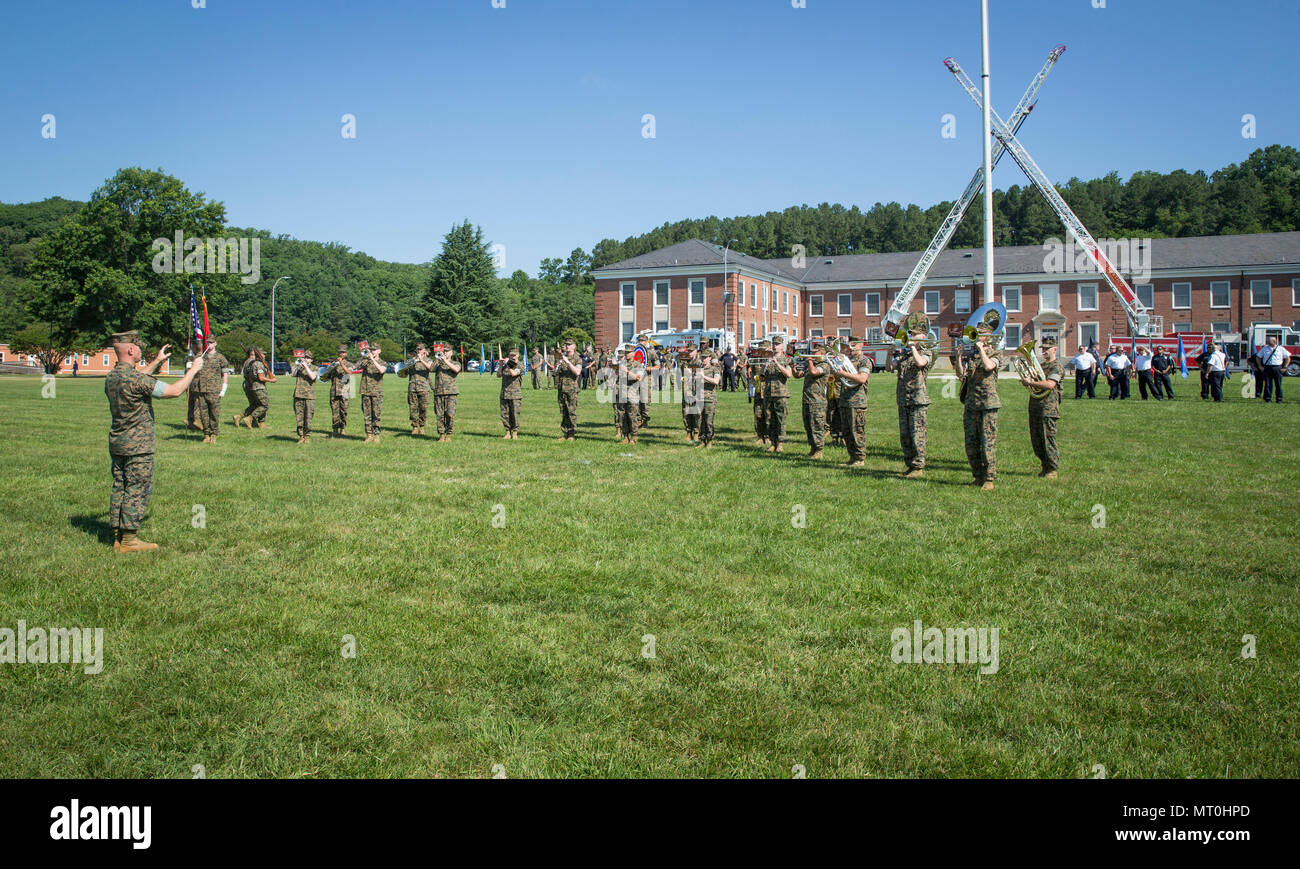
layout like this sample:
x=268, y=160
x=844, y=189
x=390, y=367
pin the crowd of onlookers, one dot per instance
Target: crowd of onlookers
x=1154, y=371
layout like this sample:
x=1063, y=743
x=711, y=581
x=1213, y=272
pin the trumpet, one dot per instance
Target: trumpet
x=1029, y=368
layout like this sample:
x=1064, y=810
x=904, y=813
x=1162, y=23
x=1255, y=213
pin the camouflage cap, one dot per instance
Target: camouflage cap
x=343, y=348
x=420, y=346
x=307, y=354
x=778, y=339
x=131, y=336
x=1047, y=342
x=765, y=344
x=984, y=329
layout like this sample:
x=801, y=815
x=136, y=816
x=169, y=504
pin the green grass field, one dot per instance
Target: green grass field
x=520, y=648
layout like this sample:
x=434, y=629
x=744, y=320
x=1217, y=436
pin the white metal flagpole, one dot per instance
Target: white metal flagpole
x=987, y=133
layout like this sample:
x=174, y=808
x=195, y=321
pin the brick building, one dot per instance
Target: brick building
x=1216, y=283
x=89, y=363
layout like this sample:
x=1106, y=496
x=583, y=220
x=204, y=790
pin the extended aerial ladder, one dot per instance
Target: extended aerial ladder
x=903, y=301
x=1138, y=317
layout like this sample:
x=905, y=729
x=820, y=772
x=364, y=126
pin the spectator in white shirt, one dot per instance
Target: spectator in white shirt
x=1273, y=359
x=1146, y=378
x=1117, y=372
x=1216, y=366
x=1085, y=365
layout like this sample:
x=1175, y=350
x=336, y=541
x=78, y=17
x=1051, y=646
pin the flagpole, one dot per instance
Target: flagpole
x=987, y=132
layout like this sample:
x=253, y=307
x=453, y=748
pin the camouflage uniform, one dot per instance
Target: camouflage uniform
x=338, y=378
x=757, y=370
x=692, y=396
x=304, y=398
x=566, y=387
x=256, y=391
x=417, y=392
x=814, y=407
x=1043, y=416
x=853, y=410
x=372, y=395
x=130, y=443
x=207, y=386
x=536, y=366
x=709, y=399
x=627, y=399
x=512, y=395
x=980, y=416
x=651, y=360
x=445, y=390
x=913, y=402
x=777, y=398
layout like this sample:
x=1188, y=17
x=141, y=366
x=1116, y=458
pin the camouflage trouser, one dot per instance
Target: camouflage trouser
x=510, y=413
x=444, y=412
x=208, y=406
x=911, y=434
x=132, y=486
x=536, y=373
x=1042, y=434
x=339, y=411
x=708, y=409
x=192, y=408
x=643, y=413
x=776, y=411
x=760, y=417
x=568, y=413
x=853, y=427
x=691, y=416
x=625, y=419
x=303, y=408
x=257, y=404
x=419, y=404
x=833, y=426
x=814, y=424
x=372, y=408
x=981, y=427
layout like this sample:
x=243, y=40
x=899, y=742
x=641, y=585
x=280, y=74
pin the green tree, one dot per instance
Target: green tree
x=49, y=347
x=464, y=300
x=96, y=273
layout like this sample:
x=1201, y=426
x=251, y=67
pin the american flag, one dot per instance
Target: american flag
x=197, y=326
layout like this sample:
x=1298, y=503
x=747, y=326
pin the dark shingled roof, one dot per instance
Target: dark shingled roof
x=1222, y=251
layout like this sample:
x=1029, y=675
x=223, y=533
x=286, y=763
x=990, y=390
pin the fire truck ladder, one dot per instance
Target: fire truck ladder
x=903, y=301
x=1138, y=317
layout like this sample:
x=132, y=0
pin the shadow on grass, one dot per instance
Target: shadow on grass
x=95, y=526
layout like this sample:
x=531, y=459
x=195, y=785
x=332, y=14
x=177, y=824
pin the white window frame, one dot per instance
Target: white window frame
x=1019, y=299
x=1182, y=327
x=875, y=335
x=1096, y=298
x=691, y=289
x=1096, y=333
x=629, y=331
x=667, y=288
x=843, y=332
x=870, y=298
x=840, y=304
x=1150, y=288
x=794, y=333
x=661, y=325
x=1215, y=330
x=1055, y=288
x=105, y=360
x=815, y=333
x=697, y=324
x=753, y=295
x=623, y=287
x=932, y=295
x=1225, y=285
x=820, y=302
x=785, y=302
x=1006, y=334
x=957, y=306
x=794, y=303
x=1267, y=281
x=1173, y=296
x=1295, y=292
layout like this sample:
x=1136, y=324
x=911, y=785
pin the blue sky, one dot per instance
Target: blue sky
x=527, y=119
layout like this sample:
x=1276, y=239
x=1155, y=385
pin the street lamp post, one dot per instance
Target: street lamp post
x=273, y=286
x=725, y=301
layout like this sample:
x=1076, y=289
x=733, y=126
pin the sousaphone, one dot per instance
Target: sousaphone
x=994, y=314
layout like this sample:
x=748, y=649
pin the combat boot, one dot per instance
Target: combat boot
x=987, y=486
x=913, y=474
x=815, y=454
x=131, y=543
x=1050, y=475
x=238, y=419
x=248, y=421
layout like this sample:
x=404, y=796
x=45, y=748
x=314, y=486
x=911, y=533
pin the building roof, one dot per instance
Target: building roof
x=1221, y=251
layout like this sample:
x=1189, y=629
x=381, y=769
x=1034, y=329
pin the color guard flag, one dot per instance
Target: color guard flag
x=196, y=326
x=1182, y=357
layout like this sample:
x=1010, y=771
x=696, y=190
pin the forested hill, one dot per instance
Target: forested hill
x=1262, y=194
